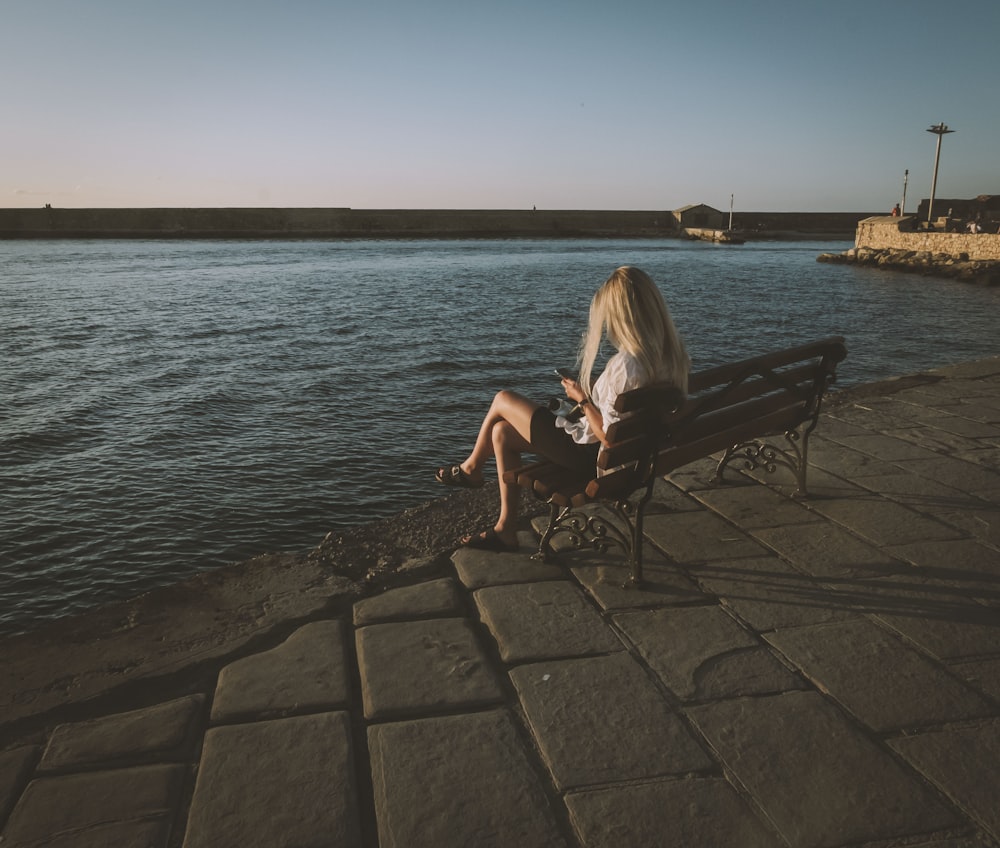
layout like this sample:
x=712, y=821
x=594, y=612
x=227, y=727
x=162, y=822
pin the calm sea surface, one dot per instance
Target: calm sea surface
x=169, y=407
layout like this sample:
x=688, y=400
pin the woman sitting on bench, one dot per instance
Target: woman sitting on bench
x=630, y=312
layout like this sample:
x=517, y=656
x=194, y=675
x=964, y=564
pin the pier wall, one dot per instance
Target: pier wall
x=335, y=223
x=326, y=223
x=888, y=233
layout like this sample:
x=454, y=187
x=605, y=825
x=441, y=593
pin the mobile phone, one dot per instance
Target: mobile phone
x=565, y=373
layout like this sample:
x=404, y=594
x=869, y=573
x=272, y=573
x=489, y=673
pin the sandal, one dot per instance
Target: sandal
x=455, y=476
x=489, y=541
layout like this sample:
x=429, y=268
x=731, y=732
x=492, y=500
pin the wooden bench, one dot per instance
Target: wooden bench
x=736, y=409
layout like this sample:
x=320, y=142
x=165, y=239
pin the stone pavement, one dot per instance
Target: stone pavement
x=810, y=673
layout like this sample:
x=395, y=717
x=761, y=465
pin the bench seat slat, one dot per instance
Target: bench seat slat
x=797, y=380
x=832, y=348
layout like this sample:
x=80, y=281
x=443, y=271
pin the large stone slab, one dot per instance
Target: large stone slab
x=699, y=537
x=968, y=476
x=885, y=683
x=981, y=522
x=886, y=448
x=669, y=497
x=938, y=441
x=834, y=429
x=87, y=810
x=884, y=522
x=422, y=666
x=923, y=495
x=307, y=672
x=533, y=621
x=814, y=775
x=960, y=425
x=458, y=780
x=701, y=653
x=845, y=462
x=692, y=812
x=964, y=762
x=752, y=505
x=983, y=674
x=961, y=566
x=663, y=584
x=767, y=593
x=477, y=569
x=286, y=782
x=433, y=598
x=164, y=731
x=878, y=413
x=15, y=768
x=821, y=485
x=825, y=550
x=601, y=719
x=946, y=625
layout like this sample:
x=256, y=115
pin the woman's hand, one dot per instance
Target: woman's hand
x=574, y=391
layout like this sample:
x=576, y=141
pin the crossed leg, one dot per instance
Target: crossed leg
x=505, y=433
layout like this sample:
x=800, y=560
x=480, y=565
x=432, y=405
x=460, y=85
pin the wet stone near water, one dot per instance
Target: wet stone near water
x=439, y=598
x=165, y=730
x=306, y=672
x=97, y=808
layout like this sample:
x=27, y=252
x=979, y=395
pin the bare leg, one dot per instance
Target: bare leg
x=507, y=406
x=504, y=434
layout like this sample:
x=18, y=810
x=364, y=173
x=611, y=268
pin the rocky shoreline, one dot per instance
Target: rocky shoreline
x=984, y=272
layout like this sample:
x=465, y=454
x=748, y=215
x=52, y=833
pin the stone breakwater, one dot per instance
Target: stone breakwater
x=337, y=223
x=957, y=266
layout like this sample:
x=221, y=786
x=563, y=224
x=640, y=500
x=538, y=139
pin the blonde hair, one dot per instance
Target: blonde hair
x=629, y=310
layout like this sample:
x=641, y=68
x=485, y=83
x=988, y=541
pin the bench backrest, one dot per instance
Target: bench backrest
x=725, y=406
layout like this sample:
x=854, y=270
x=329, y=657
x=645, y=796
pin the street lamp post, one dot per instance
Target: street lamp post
x=939, y=130
x=906, y=179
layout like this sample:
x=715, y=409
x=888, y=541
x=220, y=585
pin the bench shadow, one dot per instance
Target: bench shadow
x=946, y=594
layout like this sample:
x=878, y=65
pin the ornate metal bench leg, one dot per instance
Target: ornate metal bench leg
x=545, y=552
x=800, y=472
x=635, y=554
x=635, y=578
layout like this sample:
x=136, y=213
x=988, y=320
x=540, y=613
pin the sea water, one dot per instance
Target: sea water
x=167, y=407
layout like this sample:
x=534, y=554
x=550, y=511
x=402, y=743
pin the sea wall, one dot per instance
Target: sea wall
x=334, y=223
x=899, y=234
x=326, y=223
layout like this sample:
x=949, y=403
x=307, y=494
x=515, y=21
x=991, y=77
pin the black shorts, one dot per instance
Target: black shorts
x=555, y=444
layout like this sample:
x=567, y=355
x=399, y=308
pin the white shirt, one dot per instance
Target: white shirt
x=621, y=374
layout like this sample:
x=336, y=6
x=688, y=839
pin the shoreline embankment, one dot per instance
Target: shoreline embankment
x=898, y=244
x=345, y=223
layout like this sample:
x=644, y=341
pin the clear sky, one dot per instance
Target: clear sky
x=790, y=105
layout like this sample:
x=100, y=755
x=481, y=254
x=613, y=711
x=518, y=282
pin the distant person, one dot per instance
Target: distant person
x=895, y=211
x=629, y=311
